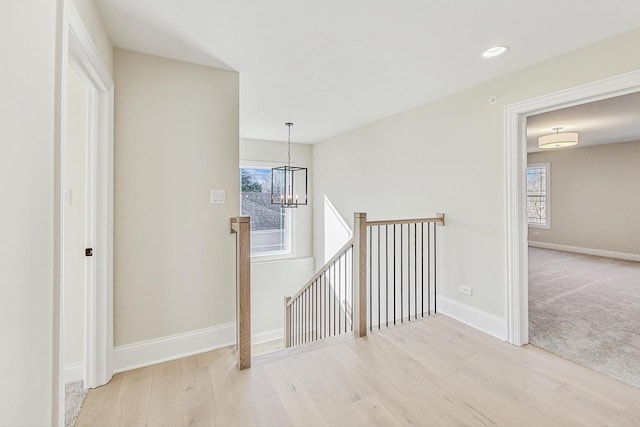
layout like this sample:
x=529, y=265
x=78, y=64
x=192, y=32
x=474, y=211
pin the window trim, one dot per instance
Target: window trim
x=547, y=167
x=290, y=219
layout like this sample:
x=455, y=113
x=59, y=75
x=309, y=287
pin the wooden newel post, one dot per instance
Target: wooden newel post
x=360, y=274
x=287, y=322
x=242, y=226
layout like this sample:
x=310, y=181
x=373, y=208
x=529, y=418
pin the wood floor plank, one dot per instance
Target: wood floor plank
x=402, y=409
x=334, y=406
x=101, y=405
x=439, y=360
x=300, y=407
x=373, y=413
x=349, y=386
x=484, y=397
x=198, y=397
x=134, y=397
x=166, y=408
x=256, y=383
x=421, y=387
x=413, y=381
x=270, y=412
x=431, y=372
x=231, y=397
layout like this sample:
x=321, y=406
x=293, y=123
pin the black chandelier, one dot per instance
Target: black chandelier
x=289, y=183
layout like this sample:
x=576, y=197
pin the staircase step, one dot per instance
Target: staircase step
x=299, y=349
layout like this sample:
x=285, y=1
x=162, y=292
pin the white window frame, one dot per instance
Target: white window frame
x=290, y=222
x=547, y=167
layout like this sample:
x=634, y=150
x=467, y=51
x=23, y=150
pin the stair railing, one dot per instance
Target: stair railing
x=402, y=270
x=386, y=274
x=241, y=226
x=322, y=307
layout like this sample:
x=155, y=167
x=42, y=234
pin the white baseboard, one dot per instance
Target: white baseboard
x=586, y=251
x=276, y=334
x=73, y=373
x=481, y=320
x=145, y=353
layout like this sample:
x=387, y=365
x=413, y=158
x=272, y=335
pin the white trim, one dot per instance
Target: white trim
x=486, y=322
x=261, y=164
x=78, y=50
x=73, y=373
x=540, y=226
x=158, y=350
x=84, y=51
x=99, y=277
x=150, y=352
x=288, y=259
x=586, y=251
x=99, y=234
x=267, y=336
x=515, y=185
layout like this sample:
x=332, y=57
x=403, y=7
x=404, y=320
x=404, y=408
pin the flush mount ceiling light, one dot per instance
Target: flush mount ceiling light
x=289, y=183
x=558, y=140
x=495, y=51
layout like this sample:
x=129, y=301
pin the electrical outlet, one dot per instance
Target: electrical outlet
x=465, y=290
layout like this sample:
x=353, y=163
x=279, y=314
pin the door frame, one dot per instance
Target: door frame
x=79, y=51
x=515, y=127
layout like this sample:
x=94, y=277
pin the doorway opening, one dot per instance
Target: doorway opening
x=84, y=340
x=584, y=241
x=516, y=115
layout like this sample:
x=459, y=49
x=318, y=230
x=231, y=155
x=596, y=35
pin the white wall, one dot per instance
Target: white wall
x=176, y=138
x=337, y=232
x=448, y=156
x=29, y=146
x=272, y=280
x=27, y=108
x=73, y=230
x=594, y=197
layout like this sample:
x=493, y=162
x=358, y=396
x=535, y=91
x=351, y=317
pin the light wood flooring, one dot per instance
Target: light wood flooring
x=430, y=373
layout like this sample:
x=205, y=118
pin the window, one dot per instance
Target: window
x=538, y=199
x=270, y=224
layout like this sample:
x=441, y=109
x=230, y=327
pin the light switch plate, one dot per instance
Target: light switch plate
x=217, y=197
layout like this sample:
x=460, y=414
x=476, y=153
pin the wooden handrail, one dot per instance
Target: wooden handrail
x=242, y=227
x=237, y=220
x=322, y=270
x=439, y=219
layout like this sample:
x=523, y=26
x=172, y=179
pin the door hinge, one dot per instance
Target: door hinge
x=88, y=252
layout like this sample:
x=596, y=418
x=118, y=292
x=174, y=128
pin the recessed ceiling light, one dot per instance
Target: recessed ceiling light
x=495, y=51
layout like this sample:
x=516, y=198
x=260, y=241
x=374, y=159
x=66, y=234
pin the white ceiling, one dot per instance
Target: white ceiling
x=331, y=66
x=603, y=122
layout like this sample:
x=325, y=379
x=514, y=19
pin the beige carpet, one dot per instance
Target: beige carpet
x=587, y=309
x=74, y=395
